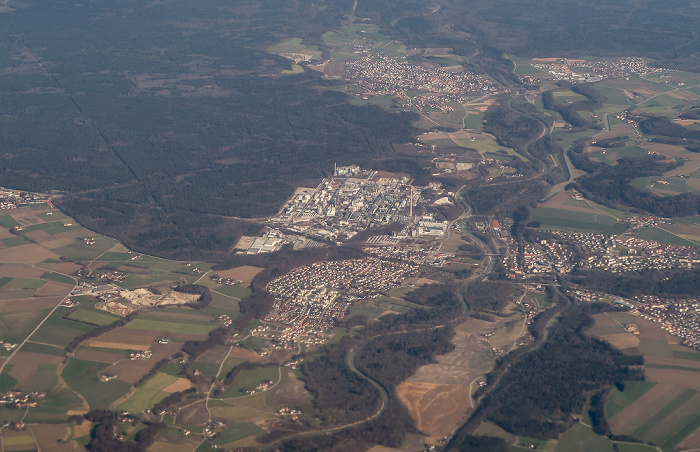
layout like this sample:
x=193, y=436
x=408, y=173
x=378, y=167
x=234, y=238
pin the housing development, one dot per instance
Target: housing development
x=310, y=299
x=379, y=74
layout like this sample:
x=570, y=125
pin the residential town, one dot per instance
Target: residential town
x=380, y=74
x=564, y=69
x=563, y=251
x=310, y=299
x=679, y=317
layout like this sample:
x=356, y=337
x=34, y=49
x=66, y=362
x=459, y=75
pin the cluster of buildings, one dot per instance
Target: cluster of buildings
x=310, y=299
x=17, y=399
x=419, y=254
x=11, y=199
x=679, y=317
x=145, y=354
x=624, y=253
x=340, y=207
x=380, y=74
x=597, y=70
x=8, y=345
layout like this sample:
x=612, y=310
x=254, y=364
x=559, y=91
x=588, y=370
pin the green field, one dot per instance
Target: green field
x=33, y=347
x=93, y=316
x=666, y=410
x=235, y=291
x=559, y=218
x=28, y=284
x=59, y=331
x=148, y=394
x=14, y=441
x=53, y=408
x=193, y=327
x=81, y=376
x=663, y=237
x=45, y=379
x=249, y=379
x=689, y=356
x=618, y=400
x=626, y=447
x=8, y=222
x=15, y=326
x=237, y=432
x=582, y=439
x=59, y=278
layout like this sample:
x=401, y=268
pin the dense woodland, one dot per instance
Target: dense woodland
x=610, y=185
x=541, y=390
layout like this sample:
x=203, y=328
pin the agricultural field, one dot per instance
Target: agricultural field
x=665, y=407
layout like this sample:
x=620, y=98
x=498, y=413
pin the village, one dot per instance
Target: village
x=310, y=299
x=598, y=251
x=561, y=69
x=380, y=74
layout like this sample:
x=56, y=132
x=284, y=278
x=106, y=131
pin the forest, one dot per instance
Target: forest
x=541, y=390
x=610, y=185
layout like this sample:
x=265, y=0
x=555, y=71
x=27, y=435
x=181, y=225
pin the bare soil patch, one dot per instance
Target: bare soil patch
x=616, y=130
x=437, y=408
x=117, y=345
x=67, y=268
x=292, y=393
x=192, y=414
x=622, y=340
x=20, y=271
x=672, y=361
x=691, y=441
x=24, y=365
x=245, y=273
x=24, y=304
x=680, y=378
x=26, y=254
x=5, y=233
x=48, y=436
x=130, y=371
x=102, y=357
x=53, y=289
x=82, y=429
x=41, y=236
x=26, y=218
x=650, y=330
x=602, y=320
x=680, y=229
x=181, y=384
x=626, y=421
x=248, y=355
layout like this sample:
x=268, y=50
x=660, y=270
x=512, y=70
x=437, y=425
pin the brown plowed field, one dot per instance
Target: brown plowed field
x=245, y=354
x=20, y=271
x=24, y=365
x=63, y=267
x=672, y=361
x=291, y=393
x=130, y=371
x=681, y=378
x=245, y=273
x=26, y=254
x=437, y=408
x=25, y=304
x=622, y=340
x=48, y=436
x=192, y=414
x=102, y=357
x=181, y=384
x=53, y=289
x=690, y=441
x=626, y=421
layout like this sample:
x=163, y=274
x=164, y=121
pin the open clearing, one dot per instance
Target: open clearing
x=437, y=408
x=245, y=273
